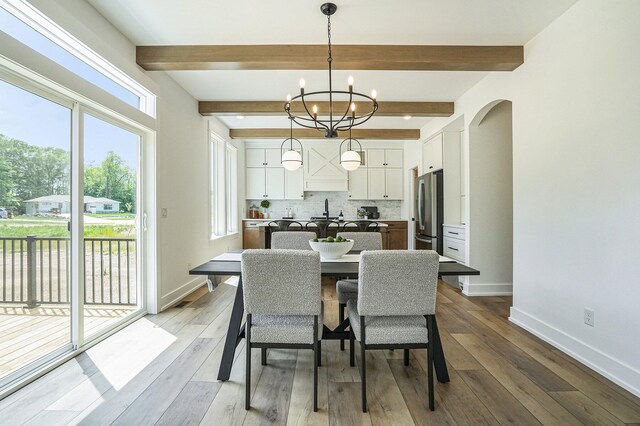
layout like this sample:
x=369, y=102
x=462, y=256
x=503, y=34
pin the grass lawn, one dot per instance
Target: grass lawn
x=112, y=216
x=17, y=228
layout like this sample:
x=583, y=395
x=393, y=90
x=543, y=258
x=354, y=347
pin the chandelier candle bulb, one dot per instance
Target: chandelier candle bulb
x=350, y=82
x=374, y=94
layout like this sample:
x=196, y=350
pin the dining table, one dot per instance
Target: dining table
x=229, y=264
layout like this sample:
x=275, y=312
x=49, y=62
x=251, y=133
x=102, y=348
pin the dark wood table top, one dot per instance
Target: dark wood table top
x=328, y=269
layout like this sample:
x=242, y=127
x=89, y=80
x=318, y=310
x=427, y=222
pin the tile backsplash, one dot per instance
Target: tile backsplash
x=313, y=205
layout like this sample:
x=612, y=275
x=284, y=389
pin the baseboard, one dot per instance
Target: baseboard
x=611, y=368
x=181, y=292
x=471, y=289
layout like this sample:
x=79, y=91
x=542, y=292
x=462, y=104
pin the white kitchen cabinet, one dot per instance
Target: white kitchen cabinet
x=358, y=184
x=432, y=154
x=393, y=184
x=322, y=169
x=264, y=182
x=256, y=183
x=294, y=184
x=274, y=188
x=272, y=157
x=385, y=157
x=385, y=174
x=376, y=185
x=263, y=157
x=254, y=157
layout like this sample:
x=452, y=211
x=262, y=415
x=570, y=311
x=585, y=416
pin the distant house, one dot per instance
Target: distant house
x=57, y=204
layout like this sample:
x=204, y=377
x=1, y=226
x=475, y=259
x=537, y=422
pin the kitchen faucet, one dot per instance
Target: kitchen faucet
x=326, y=208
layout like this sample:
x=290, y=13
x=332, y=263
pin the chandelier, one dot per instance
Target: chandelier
x=333, y=120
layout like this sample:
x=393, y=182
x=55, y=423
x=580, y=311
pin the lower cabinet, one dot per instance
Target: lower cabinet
x=395, y=235
x=252, y=235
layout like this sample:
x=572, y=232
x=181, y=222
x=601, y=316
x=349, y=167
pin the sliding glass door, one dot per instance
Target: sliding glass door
x=35, y=218
x=70, y=226
x=111, y=217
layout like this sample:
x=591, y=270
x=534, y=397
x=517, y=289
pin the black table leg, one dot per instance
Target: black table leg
x=234, y=335
x=439, y=362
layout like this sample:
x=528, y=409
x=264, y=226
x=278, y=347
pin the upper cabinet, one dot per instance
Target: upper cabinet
x=385, y=157
x=358, y=184
x=263, y=157
x=432, y=154
x=322, y=169
x=266, y=178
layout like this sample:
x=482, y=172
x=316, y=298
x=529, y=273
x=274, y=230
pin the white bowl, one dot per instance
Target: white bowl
x=331, y=250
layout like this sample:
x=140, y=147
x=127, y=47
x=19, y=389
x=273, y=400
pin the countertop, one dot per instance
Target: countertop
x=263, y=223
x=345, y=220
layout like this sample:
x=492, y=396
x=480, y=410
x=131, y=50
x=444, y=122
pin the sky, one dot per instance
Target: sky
x=38, y=121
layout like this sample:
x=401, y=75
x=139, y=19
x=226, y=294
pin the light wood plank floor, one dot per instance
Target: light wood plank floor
x=29, y=334
x=162, y=370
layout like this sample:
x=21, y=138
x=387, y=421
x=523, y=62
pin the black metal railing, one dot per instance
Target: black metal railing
x=35, y=270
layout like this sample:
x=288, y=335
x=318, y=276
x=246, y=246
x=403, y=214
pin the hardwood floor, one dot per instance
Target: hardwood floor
x=162, y=370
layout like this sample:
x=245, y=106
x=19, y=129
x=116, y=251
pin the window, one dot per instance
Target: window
x=223, y=167
x=231, y=198
x=108, y=207
x=23, y=22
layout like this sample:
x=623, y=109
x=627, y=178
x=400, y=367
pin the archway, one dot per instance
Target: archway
x=490, y=204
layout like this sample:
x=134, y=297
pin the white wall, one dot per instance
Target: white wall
x=576, y=195
x=490, y=224
x=181, y=155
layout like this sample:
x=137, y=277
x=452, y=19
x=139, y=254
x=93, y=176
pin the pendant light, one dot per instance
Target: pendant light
x=291, y=159
x=350, y=159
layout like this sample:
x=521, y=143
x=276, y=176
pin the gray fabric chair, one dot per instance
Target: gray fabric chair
x=395, y=307
x=283, y=302
x=292, y=240
x=348, y=289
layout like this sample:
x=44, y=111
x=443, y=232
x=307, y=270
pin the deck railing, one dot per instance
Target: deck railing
x=35, y=270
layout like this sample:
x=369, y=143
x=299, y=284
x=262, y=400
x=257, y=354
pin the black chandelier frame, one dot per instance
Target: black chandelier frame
x=331, y=126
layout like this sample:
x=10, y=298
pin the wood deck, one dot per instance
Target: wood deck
x=162, y=370
x=29, y=334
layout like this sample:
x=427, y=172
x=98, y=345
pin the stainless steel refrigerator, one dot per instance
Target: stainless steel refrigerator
x=429, y=211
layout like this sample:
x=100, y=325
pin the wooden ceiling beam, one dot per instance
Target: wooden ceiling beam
x=275, y=108
x=345, y=57
x=371, y=134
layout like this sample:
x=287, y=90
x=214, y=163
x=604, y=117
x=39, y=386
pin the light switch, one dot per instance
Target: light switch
x=163, y=212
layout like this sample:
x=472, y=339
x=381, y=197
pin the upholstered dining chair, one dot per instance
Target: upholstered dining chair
x=292, y=240
x=283, y=302
x=395, y=307
x=348, y=289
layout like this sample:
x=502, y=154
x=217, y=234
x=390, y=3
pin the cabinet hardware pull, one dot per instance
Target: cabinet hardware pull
x=452, y=248
x=431, y=167
x=454, y=233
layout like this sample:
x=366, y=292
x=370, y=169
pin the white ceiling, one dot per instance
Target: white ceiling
x=473, y=22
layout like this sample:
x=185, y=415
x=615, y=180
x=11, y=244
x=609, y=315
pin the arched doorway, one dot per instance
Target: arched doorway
x=490, y=204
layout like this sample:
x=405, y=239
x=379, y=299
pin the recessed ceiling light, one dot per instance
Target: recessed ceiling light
x=407, y=117
x=240, y=117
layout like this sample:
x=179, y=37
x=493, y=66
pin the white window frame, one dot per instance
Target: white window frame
x=231, y=177
x=223, y=187
x=48, y=28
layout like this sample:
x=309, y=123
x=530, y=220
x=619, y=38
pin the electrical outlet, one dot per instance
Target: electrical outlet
x=589, y=317
x=163, y=212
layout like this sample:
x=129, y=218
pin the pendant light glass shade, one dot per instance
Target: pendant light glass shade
x=350, y=160
x=291, y=160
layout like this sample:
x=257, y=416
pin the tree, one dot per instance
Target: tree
x=111, y=179
x=29, y=171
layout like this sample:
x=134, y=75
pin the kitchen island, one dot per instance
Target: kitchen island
x=256, y=232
